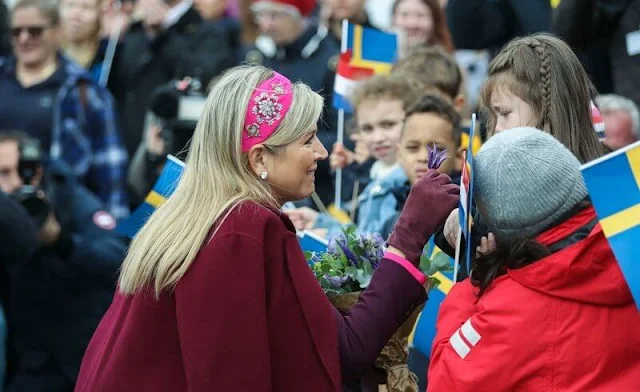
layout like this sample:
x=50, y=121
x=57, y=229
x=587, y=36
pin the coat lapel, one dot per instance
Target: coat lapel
x=318, y=312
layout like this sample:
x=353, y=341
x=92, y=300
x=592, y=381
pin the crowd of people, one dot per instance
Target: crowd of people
x=95, y=93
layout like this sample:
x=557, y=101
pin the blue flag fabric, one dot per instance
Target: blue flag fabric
x=163, y=188
x=613, y=182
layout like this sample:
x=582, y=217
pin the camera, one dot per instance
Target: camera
x=32, y=198
x=177, y=107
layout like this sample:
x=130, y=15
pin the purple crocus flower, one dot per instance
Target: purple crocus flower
x=347, y=252
x=436, y=156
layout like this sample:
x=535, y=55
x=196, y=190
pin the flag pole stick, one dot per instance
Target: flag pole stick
x=111, y=49
x=338, y=194
x=456, y=266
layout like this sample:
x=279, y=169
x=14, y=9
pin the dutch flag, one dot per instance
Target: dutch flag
x=347, y=77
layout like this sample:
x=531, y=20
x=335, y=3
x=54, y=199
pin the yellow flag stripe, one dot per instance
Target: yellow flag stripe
x=445, y=283
x=633, y=156
x=621, y=221
x=155, y=199
x=378, y=67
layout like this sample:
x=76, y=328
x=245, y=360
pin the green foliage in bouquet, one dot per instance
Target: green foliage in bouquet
x=351, y=258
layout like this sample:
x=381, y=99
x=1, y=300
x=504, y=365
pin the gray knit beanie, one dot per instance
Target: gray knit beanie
x=525, y=180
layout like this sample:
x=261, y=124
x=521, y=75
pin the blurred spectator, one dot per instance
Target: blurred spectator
x=57, y=297
x=589, y=25
x=300, y=49
x=17, y=242
x=334, y=11
x=249, y=26
x=5, y=44
x=80, y=21
x=166, y=44
x=421, y=22
x=489, y=24
x=621, y=119
x=57, y=102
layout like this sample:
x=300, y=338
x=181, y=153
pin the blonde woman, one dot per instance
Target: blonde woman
x=215, y=293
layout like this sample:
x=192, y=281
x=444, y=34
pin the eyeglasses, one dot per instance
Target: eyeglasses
x=33, y=31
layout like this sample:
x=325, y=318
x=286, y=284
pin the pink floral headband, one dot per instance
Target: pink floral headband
x=269, y=103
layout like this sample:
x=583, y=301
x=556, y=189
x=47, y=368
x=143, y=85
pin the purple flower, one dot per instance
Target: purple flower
x=436, y=157
x=333, y=240
x=347, y=252
x=335, y=281
x=377, y=238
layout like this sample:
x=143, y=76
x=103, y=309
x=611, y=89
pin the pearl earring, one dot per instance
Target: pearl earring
x=264, y=175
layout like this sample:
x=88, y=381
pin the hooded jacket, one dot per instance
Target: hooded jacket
x=565, y=323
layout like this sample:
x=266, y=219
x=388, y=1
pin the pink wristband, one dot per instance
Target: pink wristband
x=416, y=273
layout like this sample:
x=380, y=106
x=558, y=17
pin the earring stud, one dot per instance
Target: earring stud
x=264, y=175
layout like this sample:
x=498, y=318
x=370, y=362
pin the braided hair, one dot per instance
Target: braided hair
x=544, y=72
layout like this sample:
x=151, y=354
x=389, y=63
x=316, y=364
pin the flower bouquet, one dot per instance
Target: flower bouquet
x=346, y=268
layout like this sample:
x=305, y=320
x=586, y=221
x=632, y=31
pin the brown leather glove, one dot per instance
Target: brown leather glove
x=429, y=203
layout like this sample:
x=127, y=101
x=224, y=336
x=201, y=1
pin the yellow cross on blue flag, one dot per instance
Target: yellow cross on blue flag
x=613, y=182
x=163, y=188
x=371, y=49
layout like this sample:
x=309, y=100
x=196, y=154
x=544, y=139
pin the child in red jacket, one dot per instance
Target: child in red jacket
x=547, y=307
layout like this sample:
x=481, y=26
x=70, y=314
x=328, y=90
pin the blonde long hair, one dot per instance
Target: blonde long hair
x=216, y=178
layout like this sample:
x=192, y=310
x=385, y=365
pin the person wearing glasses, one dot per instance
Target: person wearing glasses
x=55, y=101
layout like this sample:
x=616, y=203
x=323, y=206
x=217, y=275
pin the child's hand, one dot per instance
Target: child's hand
x=340, y=157
x=303, y=218
x=487, y=245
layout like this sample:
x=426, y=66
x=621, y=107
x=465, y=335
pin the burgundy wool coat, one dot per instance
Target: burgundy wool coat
x=247, y=316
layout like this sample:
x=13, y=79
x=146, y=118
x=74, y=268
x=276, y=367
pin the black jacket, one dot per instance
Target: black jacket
x=591, y=24
x=58, y=295
x=489, y=24
x=191, y=47
x=5, y=38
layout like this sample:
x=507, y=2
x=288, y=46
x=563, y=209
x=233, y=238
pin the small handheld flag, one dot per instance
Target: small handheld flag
x=163, y=188
x=466, y=202
x=613, y=182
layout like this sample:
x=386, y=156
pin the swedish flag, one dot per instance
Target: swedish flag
x=164, y=187
x=372, y=49
x=614, y=187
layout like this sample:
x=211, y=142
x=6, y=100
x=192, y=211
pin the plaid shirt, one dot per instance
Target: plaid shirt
x=86, y=136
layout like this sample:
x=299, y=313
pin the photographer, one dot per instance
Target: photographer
x=174, y=112
x=56, y=297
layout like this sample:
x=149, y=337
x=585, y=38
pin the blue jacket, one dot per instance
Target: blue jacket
x=58, y=296
x=85, y=135
x=376, y=205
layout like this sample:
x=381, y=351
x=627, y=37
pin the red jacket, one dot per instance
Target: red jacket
x=247, y=316
x=564, y=323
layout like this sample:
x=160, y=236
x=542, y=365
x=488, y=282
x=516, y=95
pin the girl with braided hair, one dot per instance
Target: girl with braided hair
x=534, y=81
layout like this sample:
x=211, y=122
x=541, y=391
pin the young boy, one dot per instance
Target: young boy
x=379, y=105
x=429, y=121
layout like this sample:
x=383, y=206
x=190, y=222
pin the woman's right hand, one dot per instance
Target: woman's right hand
x=430, y=202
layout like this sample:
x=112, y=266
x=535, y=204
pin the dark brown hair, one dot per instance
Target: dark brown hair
x=388, y=87
x=506, y=256
x=441, y=34
x=435, y=105
x=544, y=72
x=431, y=67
